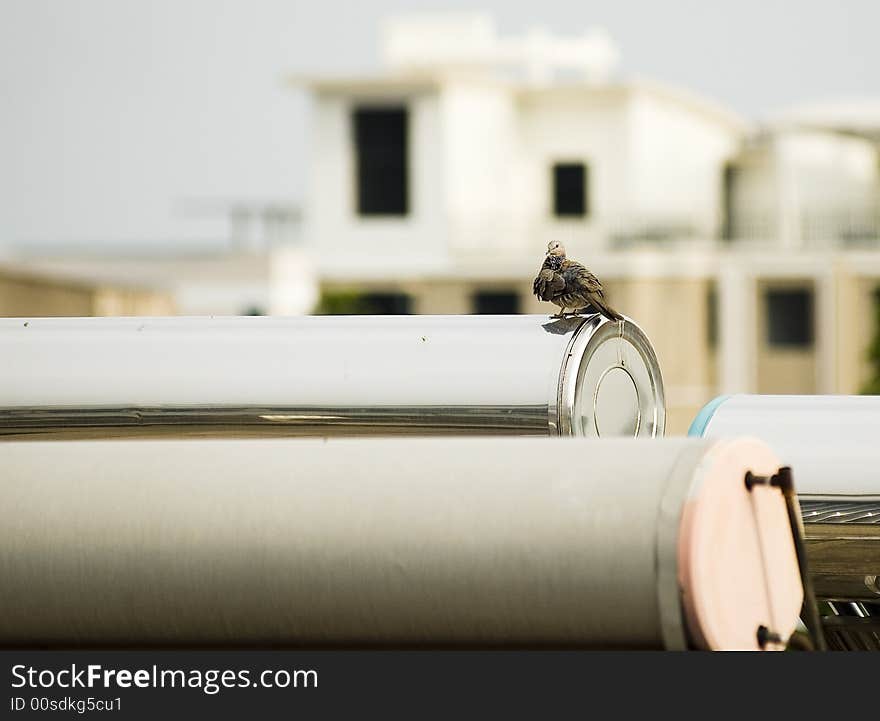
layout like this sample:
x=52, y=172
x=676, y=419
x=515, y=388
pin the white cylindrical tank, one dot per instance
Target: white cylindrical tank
x=831, y=442
x=601, y=543
x=327, y=376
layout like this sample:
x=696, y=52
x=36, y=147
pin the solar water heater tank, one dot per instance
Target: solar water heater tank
x=327, y=376
x=395, y=541
x=833, y=444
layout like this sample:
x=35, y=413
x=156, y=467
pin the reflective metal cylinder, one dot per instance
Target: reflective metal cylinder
x=326, y=376
x=480, y=541
x=832, y=444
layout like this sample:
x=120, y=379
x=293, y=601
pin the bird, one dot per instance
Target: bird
x=569, y=284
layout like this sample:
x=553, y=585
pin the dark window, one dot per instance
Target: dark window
x=728, y=188
x=570, y=190
x=386, y=304
x=380, y=136
x=790, y=318
x=494, y=303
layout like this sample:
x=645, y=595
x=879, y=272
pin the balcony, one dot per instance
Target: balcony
x=851, y=227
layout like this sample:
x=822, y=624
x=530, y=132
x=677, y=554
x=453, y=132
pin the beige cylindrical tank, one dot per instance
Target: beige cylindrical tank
x=565, y=542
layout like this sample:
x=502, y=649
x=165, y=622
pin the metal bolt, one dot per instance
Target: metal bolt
x=752, y=480
x=765, y=636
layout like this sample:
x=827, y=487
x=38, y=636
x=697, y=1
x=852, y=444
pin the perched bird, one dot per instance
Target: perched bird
x=568, y=284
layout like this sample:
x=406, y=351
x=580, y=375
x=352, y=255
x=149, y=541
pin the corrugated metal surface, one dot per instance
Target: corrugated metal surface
x=841, y=512
x=842, y=537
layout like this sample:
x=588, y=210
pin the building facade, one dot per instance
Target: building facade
x=24, y=294
x=750, y=256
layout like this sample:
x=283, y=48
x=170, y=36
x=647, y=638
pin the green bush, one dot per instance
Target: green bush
x=342, y=303
x=872, y=387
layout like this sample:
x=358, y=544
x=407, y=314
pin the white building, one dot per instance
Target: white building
x=748, y=254
x=226, y=275
x=486, y=148
x=800, y=187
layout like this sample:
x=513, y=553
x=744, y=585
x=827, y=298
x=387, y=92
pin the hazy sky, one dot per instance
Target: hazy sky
x=113, y=111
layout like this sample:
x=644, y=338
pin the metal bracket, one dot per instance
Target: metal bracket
x=783, y=479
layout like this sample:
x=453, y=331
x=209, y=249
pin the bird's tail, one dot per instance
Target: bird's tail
x=601, y=305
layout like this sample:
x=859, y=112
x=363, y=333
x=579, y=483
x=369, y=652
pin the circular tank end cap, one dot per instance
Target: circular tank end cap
x=611, y=384
x=616, y=409
x=737, y=564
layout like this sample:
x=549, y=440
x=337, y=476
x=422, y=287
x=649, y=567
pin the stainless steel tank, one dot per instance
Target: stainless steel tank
x=387, y=375
x=474, y=541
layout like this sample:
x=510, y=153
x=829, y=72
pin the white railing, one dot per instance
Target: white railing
x=814, y=228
